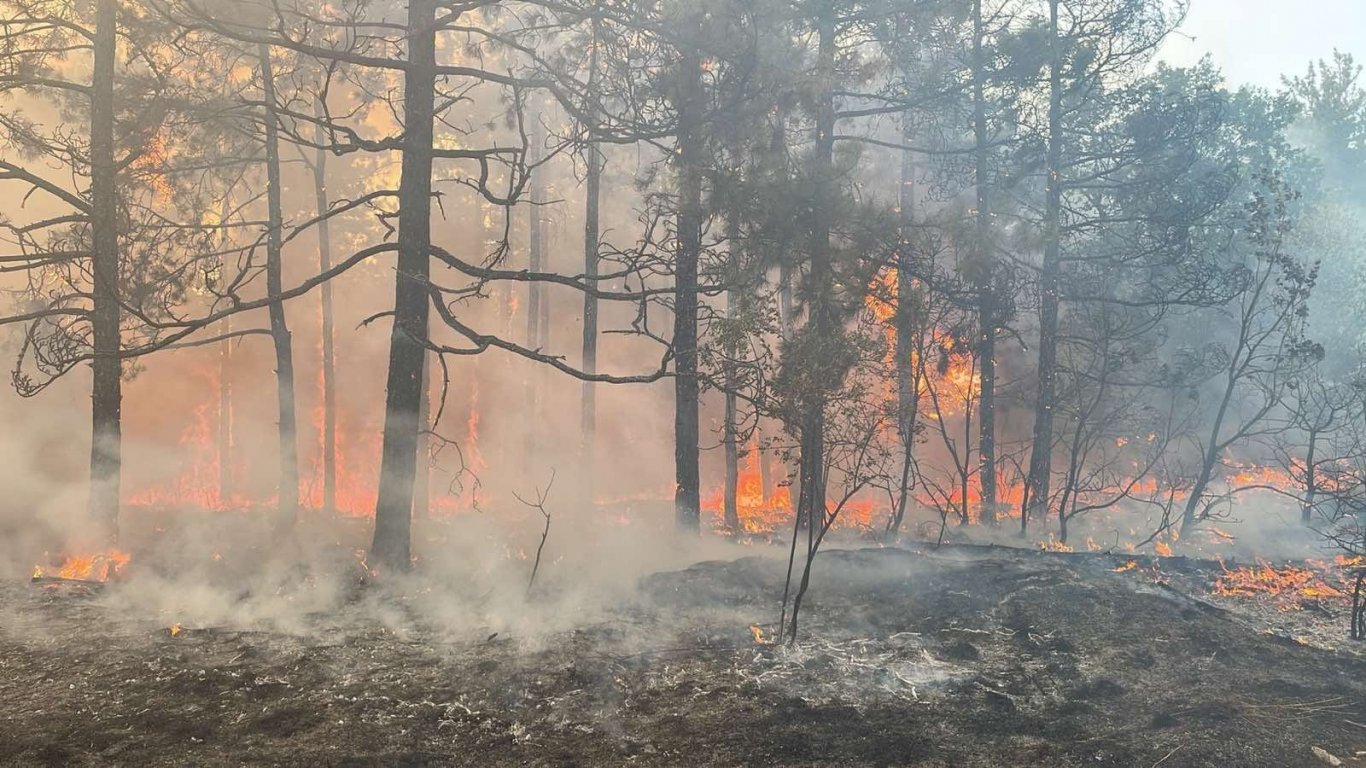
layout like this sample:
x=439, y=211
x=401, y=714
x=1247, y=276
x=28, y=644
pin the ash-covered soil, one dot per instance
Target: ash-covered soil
x=984, y=659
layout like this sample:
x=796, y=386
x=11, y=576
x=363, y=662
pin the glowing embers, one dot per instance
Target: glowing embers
x=95, y=567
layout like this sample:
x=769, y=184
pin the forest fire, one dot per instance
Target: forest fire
x=904, y=366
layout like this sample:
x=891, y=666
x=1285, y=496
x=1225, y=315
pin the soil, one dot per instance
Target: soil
x=988, y=658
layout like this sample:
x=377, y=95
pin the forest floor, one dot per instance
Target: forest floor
x=968, y=658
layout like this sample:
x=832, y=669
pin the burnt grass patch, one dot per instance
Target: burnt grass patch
x=993, y=659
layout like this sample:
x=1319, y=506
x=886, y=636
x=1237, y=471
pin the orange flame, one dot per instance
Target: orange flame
x=97, y=566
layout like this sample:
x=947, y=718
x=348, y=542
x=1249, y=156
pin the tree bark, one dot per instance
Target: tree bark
x=907, y=325
x=1210, y=457
x=986, y=309
x=688, y=493
x=288, y=494
x=730, y=429
x=1040, y=460
x=225, y=490
x=392, y=545
x=422, y=482
x=1311, y=486
x=822, y=313
x=534, y=298
x=588, y=416
x=107, y=385
x=329, y=359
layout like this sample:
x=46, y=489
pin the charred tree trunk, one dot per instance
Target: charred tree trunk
x=422, y=481
x=588, y=417
x=392, y=546
x=534, y=297
x=786, y=314
x=1311, y=485
x=985, y=275
x=1359, y=606
x=766, y=488
x=1041, y=455
x=1210, y=457
x=907, y=325
x=731, y=429
x=687, y=476
x=732, y=506
x=822, y=315
x=225, y=490
x=106, y=399
x=329, y=359
x=279, y=329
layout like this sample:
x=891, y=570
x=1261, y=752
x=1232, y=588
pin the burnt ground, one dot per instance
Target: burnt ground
x=988, y=659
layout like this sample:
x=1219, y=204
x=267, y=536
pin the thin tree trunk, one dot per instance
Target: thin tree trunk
x=1311, y=486
x=787, y=320
x=1040, y=460
x=392, y=546
x=907, y=324
x=329, y=360
x=688, y=492
x=1241, y=357
x=588, y=417
x=225, y=489
x=730, y=429
x=765, y=471
x=534, y=292
x=107, y=386
x=225, y=388
x=986, y=295
x=288, y=494
x=786, y=325
x=731, y=502
x=811, y=498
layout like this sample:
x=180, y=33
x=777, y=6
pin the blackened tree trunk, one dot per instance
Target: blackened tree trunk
x=762, y=455
x=987, y=319
x=1311, y=485
x=225, y=489
x=821, y=295
x=329, y=356
x=534, y=298
x=730, y=428
x=588, y=417
x=279, y=330
x=107, y=386
x=1040, y=460
x=422, y=482
x=392, y=545
x=687, y=476
x=907, y=326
